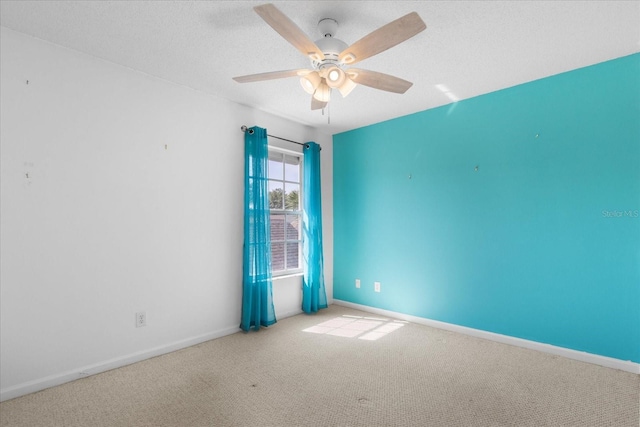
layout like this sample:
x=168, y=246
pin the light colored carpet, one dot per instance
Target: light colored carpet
x=413, y=375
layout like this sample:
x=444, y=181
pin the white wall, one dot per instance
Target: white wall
x=120, y=193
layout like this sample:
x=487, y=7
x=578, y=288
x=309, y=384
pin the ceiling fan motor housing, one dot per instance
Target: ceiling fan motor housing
x=330, y=46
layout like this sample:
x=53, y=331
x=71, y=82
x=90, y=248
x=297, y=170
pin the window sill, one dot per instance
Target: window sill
x=287, y=276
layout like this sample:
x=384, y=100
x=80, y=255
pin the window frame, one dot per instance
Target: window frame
x=285, y=152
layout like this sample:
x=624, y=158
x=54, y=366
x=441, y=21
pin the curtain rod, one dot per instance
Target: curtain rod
x=243, y=128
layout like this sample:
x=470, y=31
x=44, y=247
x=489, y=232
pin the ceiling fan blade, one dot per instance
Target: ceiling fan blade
x=383, y=38
x=271, y=75
x=289, y=30
x=379, y=80
x=317, y=105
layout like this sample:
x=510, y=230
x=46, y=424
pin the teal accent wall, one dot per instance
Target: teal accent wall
x=541, y=242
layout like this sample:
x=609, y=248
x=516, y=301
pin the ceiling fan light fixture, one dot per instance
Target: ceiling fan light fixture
x=347, y=86
x=335, y=77
x=310, y=82
x=323, y=92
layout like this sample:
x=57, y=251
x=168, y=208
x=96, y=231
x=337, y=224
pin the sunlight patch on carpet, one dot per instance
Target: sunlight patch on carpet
x=363, y=328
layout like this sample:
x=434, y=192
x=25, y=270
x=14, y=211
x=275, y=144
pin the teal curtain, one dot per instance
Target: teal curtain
x=313, y=293
x=257, y=297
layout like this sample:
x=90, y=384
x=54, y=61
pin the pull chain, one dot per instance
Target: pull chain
x=328, y=108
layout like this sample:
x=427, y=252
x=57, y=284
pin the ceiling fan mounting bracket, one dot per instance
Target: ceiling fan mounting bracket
x=328, y=27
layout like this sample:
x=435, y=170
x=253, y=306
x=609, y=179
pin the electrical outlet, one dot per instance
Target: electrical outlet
x=357, y=283
x=376, y=286
x=141, y=319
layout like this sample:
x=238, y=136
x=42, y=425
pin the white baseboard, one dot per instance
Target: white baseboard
x=609, y=362
x=58, y=379
x=85, y=371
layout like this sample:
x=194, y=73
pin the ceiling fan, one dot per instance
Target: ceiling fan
x=332, y=58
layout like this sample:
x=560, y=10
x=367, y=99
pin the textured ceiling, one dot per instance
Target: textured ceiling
x=469, y=47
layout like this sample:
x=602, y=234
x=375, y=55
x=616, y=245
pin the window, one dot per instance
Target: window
x=286, y=214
